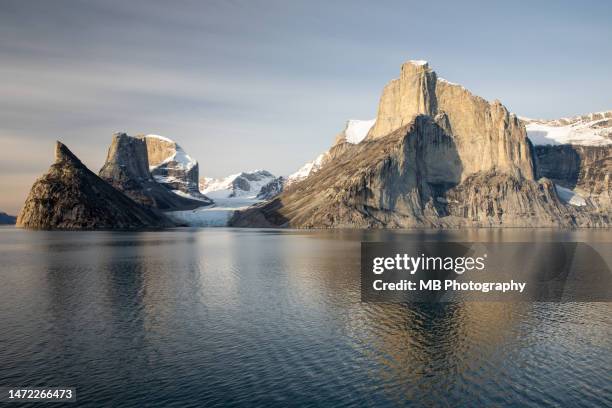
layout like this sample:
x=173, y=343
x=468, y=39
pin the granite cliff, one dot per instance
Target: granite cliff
x=436, y=156
x=71, y=197
x=127, y=169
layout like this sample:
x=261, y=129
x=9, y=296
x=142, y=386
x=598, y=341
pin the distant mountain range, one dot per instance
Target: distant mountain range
x=248, y=184
x=435, y=156
x=6, y=219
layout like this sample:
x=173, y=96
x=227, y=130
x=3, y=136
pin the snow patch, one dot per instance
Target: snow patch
x=580, y=130
x=180, y=160
x=165, y=139
x=307, y=169
x=570, y=196
x=356, y=130
x=191, y=197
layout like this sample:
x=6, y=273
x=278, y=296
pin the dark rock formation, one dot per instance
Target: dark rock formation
x=6, y=219
x=127, y=169
x=585, y=169
x=272, y=189
x=71, y=197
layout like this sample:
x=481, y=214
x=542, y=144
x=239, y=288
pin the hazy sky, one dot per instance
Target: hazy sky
x=268, y=84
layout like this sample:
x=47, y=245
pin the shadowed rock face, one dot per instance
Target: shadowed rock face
x=127, y=169
x=71, y=197
x=585, y=169
x=437, y=156
x=272, y=189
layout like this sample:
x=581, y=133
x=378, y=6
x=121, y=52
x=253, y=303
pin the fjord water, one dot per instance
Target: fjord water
x=222, y=317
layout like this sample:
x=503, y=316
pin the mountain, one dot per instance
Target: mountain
x=354, y=132
x=581, y=173
x=172, y=167
x=576, y=154
x=436, y=156
x=593, y=129
x=272, y=189
x=127, y=169
x=307, y=169
x=71, y=197
x=6, y=219
x=241, y=185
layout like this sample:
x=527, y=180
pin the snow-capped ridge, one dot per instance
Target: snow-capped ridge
x=418, y=62
x=592, y=129
x=246, y=184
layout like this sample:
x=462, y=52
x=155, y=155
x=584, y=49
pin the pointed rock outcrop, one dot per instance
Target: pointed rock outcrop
x=71, y=197
x=127, y=169
x=487, y=136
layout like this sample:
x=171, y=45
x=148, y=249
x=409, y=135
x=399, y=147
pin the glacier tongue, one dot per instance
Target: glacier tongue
x=217, y=215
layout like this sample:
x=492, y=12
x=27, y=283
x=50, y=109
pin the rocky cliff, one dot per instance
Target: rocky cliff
x=271, y=189
x=486, y=135
x=172, y=167
x=585, y=170
x=71, y=197
x=436, y=156
x=127, y=169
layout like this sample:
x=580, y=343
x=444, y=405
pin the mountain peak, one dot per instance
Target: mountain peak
x=63, y=154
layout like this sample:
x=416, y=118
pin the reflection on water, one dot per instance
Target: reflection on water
x=231, y=317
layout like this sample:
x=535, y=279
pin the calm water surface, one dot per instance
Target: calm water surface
x=211, y=317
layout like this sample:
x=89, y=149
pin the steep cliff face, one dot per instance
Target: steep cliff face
x=71, y=197
x=436, y=156
x=487, y=136
x=583, y=169
x=171, y=166
x=127, y=169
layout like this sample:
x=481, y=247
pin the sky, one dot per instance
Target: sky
x=245, y=85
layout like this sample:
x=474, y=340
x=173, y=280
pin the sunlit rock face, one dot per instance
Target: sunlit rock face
x=171, y=166
x=486, y=135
